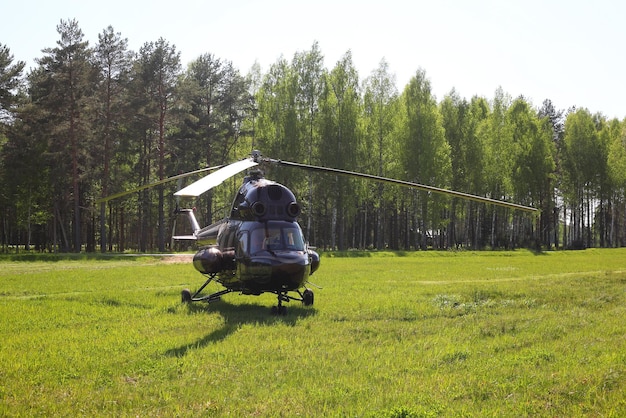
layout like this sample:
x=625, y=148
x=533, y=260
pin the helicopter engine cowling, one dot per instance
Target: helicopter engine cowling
x=260, y=199
x=208, y=260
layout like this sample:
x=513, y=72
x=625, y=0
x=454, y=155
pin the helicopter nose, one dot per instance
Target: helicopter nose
x=292, y=268
x=292, y=274
x=285, y=271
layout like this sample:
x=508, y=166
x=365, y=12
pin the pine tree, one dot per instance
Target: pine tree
x=65, y=90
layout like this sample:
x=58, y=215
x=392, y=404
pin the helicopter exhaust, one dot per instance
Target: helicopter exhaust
x=211, y=260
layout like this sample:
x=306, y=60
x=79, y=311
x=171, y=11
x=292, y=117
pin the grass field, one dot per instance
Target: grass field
x=392, y=335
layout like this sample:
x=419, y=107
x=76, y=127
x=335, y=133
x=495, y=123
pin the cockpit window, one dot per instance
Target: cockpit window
x=276, y=236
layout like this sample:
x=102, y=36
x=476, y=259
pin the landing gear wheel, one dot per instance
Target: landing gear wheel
x=307, y=297
x=185, y=296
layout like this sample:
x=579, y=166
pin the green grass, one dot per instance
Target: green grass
x=393, y=335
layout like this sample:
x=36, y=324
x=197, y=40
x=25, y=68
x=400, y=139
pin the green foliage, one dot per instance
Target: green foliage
x=64, y=87
x=90, y=122
x=581, y=153
x=585, y=163
x=617, y=159
x=533, y=163
x=497, y=135
x=417, y=334
x=218, y=102
x=10, y=75
x=426, y=153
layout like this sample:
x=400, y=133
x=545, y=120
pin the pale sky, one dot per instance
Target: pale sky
x=571, y=52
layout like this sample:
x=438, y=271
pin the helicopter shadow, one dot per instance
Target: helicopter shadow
x=235, y=316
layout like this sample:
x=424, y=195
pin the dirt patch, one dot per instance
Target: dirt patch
x=177, y=259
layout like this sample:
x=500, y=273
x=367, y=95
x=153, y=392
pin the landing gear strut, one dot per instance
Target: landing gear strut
x=306, y=297
x=188, y=297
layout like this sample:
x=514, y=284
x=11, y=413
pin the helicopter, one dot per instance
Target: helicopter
x=260, y=247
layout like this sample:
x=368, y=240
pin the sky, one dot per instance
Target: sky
x=571, y=52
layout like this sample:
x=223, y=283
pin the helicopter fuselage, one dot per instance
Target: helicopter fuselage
x=255, y=257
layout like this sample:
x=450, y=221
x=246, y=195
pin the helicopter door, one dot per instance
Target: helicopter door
x=242, y=247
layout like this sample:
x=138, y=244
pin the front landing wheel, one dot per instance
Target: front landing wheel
x=308, y=297
x=185, y=296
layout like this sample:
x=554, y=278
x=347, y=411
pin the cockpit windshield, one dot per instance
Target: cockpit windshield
x=276, y=236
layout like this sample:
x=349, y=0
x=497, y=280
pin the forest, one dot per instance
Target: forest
x=90, y=121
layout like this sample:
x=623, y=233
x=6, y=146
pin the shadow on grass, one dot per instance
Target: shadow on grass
x=237, y=315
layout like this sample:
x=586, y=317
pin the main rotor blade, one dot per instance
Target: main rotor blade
x=406, y=184
x=214, y=179
x=156, y=183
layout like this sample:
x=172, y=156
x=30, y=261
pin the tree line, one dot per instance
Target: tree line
x=92, y=121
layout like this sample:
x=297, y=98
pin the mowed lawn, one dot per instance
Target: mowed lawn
x=390, y=334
